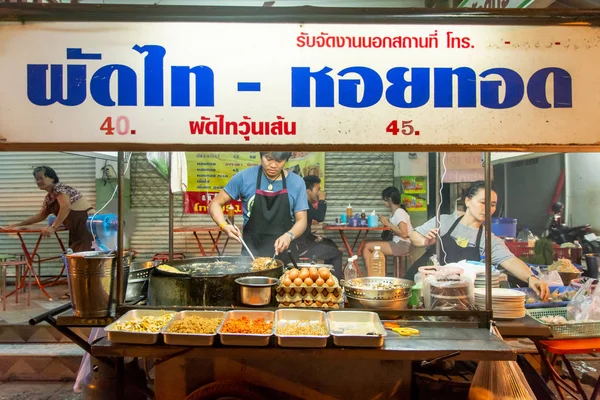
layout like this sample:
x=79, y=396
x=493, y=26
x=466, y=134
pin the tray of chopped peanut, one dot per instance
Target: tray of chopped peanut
x=301, y=328
x=246, y=328
x=139, y=326
x=193, y=328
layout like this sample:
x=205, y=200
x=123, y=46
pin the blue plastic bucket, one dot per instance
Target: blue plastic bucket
x=504, y=227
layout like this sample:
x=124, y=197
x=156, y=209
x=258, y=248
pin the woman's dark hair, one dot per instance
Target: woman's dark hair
x=48, y=172
x=475, y=188
x=392, y=194
x=402, y=206
x=310, y=181
x=278, y=155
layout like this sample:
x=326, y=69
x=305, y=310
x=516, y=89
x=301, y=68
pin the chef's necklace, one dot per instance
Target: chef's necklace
x=270, y=187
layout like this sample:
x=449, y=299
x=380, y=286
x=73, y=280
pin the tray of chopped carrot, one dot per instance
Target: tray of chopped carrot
x=247, y=328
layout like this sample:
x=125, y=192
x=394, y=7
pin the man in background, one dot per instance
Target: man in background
x=313, y=246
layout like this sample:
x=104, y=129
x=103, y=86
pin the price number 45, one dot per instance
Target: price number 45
x=404, y=127
x=121, y=126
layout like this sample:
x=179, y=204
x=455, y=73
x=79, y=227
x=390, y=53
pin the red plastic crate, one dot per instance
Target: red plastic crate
x=521, y=249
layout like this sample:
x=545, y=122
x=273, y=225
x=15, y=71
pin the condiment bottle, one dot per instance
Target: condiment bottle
x=377, y=263
x=363, y=215
x=230, y=211
x=349, y=212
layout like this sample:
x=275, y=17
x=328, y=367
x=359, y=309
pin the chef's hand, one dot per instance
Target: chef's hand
x=48, y=231
x=282, y=243
x=233, y=232
x=540, y=288
x=431, y=237
x=384, y=220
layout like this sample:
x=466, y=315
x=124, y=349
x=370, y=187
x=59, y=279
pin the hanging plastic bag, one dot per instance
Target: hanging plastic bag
x=552, y=278
x=580, y=308
x=499, y=380
x=84, y=367
x=160, y=162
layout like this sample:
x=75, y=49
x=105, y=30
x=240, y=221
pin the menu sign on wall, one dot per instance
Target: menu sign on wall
x=208, y=173
x=283, y=84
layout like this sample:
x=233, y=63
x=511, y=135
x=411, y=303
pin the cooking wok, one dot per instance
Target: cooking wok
x=207, y=281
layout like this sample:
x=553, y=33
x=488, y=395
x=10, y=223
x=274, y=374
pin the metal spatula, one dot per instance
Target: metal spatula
x=242, y=240
x=271, y=261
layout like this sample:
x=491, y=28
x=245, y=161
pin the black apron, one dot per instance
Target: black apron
x=454, y=252
x=269, y=219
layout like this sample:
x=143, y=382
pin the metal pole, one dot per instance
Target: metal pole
x=170, y=209
x=488, y=231
x=438, y=183
x=121, y=215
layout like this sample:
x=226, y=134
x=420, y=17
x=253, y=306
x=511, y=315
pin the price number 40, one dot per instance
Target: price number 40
x=121, y=126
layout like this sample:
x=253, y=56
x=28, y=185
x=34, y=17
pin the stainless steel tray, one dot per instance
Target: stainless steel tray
x=117, y=336
x=339, y=321
x=240, y=339
x=192, y=339
x=285, y=316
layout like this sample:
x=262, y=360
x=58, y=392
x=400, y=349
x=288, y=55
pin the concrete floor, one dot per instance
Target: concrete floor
x=38, y=391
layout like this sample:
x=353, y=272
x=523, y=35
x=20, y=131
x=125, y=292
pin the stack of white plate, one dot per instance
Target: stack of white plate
x=506, y=303
x=480, y=280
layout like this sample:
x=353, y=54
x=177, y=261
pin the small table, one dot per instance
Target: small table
x=31, y=255
x=205, y=228
x=560, y=348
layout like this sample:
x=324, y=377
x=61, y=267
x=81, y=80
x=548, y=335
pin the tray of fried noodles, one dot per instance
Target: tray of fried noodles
x=193, y=328
x=139, y=326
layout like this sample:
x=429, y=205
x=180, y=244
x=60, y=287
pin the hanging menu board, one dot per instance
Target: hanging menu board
x=283, y=84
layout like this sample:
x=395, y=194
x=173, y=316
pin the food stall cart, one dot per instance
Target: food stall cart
x=307, y=79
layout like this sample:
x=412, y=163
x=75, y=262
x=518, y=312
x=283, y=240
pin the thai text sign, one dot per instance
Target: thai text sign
x=225, y=83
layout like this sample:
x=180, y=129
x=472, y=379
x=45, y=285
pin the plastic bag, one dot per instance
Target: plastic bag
x=160, y=162
x=499, y=380
x=552, y=278
x=585, y=305
x=448, y=292
x=84, y=367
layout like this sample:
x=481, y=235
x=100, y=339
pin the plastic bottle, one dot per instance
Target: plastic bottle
x=349, y=212
x=350, y=271
x=377, y=263
x=373, y=221
x=526, y=236
x=230, y=211
x=363, y=214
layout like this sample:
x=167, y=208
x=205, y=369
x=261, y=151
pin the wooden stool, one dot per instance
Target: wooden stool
x=401, y=265
x=560, y=348
x=18, y=265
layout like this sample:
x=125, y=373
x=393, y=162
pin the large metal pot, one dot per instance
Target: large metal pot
x=92, y=278
x=256, y=290
x=199, y=286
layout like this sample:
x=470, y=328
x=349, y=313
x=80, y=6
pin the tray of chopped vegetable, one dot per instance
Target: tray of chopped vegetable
x=561, y=327
x=139, y=326
x=301, y=328
x=193, y=328
x=559, y=297
x=247, y=328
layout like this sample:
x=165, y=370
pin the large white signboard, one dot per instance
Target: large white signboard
x=217, y=83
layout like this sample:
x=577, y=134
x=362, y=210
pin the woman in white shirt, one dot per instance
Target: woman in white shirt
x=396, y=241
